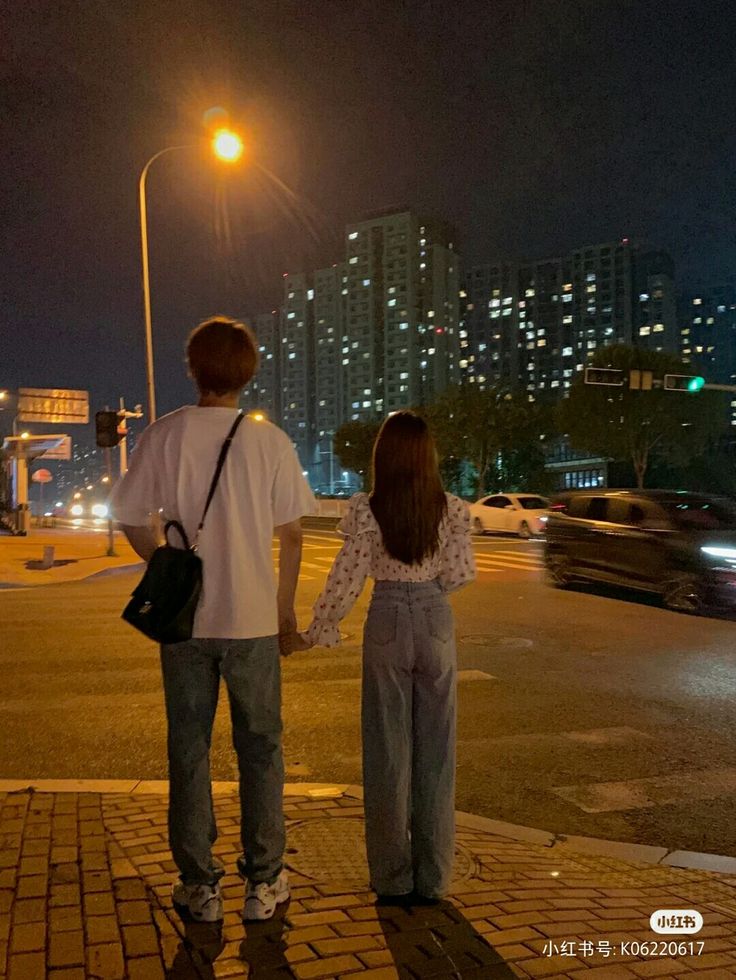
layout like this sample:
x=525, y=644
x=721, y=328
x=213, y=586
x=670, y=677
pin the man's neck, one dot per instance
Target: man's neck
x=209, y=400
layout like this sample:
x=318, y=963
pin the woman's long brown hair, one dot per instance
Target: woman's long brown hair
x=408, y=499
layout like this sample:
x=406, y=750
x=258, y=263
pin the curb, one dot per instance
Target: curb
x=566, y=844
x=100, y=573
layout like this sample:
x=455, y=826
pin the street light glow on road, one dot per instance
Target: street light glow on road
x=227, y=145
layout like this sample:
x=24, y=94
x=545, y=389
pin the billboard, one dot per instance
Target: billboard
x=54, y=405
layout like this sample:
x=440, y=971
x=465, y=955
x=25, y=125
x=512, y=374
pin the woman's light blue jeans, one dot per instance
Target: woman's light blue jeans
x=251, y=670
x=409, y=714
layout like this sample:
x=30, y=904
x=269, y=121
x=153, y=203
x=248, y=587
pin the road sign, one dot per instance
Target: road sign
x=53, y=405
x=62, y=451
x=604, y=376
x=42, y=476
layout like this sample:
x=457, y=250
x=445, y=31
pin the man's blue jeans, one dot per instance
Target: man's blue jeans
x=251, y=670
x=409, y=714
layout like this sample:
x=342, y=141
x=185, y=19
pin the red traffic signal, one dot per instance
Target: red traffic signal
x=107, y=429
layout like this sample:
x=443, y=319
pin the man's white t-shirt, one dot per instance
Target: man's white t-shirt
x=261, y=486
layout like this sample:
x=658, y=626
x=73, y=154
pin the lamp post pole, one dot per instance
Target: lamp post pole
x=226, y=146
x=150, y=380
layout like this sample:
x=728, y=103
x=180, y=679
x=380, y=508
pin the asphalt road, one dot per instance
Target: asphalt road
x=580, y=712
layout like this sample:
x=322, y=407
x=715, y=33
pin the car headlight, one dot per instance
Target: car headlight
x=77, y=510
x=100, y=510
x=718, y=551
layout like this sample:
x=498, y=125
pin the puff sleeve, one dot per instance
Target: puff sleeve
x=457, y=561
x=346, y=577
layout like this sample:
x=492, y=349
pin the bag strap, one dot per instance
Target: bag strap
x=218, y=470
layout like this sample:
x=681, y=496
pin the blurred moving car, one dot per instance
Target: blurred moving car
x=679, y=545
x=524, y=514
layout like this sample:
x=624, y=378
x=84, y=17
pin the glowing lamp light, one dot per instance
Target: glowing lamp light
x=695, y=384
x=25, y=435
x=77, y=510
x=258, y=416
x=227, y=146
x=439, y=330
x=99, y=510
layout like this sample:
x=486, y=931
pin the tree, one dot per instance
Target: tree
x=495, y=430
x=622, y=423
x=353, y=446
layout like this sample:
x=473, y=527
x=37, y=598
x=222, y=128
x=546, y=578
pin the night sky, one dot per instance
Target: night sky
x=534, y=126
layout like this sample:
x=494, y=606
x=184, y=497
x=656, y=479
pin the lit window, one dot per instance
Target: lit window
x=645, y=331
x=567, y=319
x=643, y=297
x=403, y=326
x=529, y=292
x=367, y=282
x=567, y=298
x=567, y=351
x=352, y=236
x=494, y=303
x=290, y=316
x=697, y=302
x=353, y=260
x=658, y=328
x=310, y=294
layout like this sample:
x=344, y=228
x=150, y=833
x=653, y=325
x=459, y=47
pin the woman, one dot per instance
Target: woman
x=414, y=540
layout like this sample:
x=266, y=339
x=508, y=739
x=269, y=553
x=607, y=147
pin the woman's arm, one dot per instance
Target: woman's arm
x=344, y=583
x=457, y=566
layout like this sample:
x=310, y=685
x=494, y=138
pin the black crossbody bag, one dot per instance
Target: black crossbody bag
x=164, y=602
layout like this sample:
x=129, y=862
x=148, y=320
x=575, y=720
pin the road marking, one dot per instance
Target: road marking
x=475, y=675
x=639, y=794
x=489, y=563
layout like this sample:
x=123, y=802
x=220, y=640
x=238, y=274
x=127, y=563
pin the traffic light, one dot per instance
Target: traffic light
x=683, y=382
x=107, y=429
x=604, y=376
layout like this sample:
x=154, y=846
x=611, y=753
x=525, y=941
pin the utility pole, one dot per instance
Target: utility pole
x=124, y=415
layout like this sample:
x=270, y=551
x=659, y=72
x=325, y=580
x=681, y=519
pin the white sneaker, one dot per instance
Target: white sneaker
x=261, y=900
x=202, y=902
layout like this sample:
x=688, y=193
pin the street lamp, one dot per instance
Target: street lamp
x=226, y=146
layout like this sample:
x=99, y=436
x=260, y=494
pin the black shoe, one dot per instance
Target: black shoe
x=424, y=900
x=398, y=901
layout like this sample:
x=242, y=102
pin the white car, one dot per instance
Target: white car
x=524, y=514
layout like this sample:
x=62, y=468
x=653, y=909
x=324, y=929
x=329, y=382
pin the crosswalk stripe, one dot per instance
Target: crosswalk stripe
x=489, y=563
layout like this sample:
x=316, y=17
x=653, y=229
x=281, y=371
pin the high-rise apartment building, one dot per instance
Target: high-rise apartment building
x=401, y=313
x=707, y=321
x=330, y=299
x=264, y=391
x=534, y=325
x=297, y=359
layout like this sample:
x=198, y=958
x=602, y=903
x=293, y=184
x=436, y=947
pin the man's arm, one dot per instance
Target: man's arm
x=290, y=557
x=142, y=540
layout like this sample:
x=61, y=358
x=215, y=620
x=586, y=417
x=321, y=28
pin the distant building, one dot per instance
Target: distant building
x=264, y=391
x=402, y=327
x=534, y=325
x=297, y=364
x=707, y=322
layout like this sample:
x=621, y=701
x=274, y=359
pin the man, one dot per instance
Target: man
x=242, y=617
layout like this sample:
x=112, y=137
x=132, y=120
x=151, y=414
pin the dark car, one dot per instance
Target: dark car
x=679, y=545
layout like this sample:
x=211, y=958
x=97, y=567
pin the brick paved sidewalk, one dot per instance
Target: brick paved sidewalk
x=85, y=893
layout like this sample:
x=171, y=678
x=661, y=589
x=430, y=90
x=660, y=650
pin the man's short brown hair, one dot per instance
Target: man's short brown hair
x=222, y=355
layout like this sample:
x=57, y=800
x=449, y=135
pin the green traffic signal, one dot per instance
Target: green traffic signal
x=695, y=384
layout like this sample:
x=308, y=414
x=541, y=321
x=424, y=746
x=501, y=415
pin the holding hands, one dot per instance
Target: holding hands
x=290, y=639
